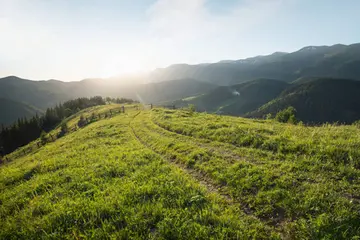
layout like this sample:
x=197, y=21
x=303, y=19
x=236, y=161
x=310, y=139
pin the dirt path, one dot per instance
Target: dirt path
x=200, y=177
x=226, y=150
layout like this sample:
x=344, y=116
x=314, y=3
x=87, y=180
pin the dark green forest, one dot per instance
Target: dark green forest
x=11, y=110
x=318, y=101
x=25, y=130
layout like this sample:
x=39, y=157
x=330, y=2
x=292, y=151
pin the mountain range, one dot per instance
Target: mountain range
x=337, y=61
x=307, y=79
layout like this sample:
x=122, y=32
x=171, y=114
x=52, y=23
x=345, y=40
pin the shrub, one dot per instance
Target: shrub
x=292, y=119
x=356, y=124
x=82, y=122
x=287, y=115
x=43, y=137
x=64, y=129
x=191, y=108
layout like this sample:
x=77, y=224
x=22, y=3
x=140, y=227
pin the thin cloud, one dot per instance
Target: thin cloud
x=192, y=19
x=177, y=28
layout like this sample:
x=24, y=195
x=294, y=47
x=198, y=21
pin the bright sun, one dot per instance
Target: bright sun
x=122, y=68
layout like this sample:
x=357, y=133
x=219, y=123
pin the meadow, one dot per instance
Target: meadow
x=179, y=174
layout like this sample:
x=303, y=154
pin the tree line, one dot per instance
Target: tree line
x=24, y=130
x=120, y=100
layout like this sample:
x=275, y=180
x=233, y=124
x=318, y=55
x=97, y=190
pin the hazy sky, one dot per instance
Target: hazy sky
x=75, y=39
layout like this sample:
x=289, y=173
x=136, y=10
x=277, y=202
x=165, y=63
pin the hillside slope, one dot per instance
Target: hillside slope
x=11, y=111
x=171, y=90
x=41, y=94
x=318, y=101
x=237, y=99
x=252, y=95
x=163, y=174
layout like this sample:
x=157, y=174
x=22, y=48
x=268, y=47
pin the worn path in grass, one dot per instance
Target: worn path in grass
x=163, y=174
x=278, y=178
x=101, y=182
x=202, y=177
x=199, y=176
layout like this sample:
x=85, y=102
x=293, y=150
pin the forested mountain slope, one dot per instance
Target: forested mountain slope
x=337, y=61
x=237, y=99
x=41, y=94
x=318, y=101
x=11, y=111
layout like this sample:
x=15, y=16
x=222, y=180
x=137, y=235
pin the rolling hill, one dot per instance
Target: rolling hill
x=253, y=94
x=318, y=101
x=170, y=90
x=11, y=110
x=161, y=174
x=237, y=99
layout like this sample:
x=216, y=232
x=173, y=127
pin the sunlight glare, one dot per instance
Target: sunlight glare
x=123, y=67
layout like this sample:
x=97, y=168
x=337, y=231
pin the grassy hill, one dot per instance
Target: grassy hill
x=161, y=174
x=11, y=111
x=318, y=101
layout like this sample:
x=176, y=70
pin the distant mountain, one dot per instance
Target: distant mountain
x=233, y=87
x=11, y=111
x=318, y=101
x=43, y=94
x=237, y=99
x=254, y=94
x=338, y=61
x=170, y=90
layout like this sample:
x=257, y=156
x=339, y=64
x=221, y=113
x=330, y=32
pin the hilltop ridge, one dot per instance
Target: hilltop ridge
x=176, y=173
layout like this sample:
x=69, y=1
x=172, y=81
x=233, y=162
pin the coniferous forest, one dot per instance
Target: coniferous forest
x=26, y=130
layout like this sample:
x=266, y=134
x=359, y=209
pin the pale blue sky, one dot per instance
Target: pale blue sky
x=76, y=39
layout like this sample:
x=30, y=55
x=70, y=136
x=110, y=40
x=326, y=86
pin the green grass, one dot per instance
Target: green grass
x=173, y=174
x=305, y=180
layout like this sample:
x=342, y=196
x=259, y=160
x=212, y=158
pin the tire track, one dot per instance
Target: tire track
x=204, y=180
x=226, y=150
